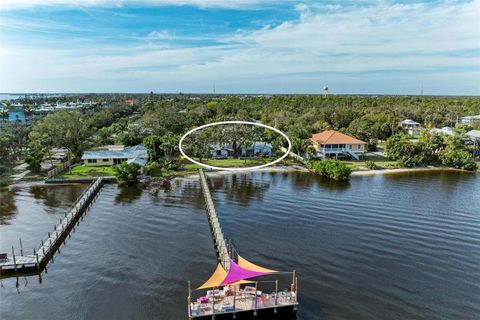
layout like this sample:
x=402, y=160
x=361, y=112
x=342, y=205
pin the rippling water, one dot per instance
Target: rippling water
x=385, y=247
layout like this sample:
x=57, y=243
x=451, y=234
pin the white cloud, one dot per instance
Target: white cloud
x=353, y=49
x=229, y=4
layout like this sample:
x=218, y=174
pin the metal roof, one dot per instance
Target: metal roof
x=138, y=151
x=141, y=162
x=409, y=121
x=474, y=134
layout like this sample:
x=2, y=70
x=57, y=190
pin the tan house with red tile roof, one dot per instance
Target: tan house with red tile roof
x=333, y=143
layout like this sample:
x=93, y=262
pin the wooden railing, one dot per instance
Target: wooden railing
x=52, y=173
x=217, y=234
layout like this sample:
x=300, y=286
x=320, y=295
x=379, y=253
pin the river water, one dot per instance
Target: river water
x=404, y=246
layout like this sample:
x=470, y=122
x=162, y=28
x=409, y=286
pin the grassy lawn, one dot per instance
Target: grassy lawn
x=230, y=163
x=190, y=168
x=381, y=164
x=82, y=171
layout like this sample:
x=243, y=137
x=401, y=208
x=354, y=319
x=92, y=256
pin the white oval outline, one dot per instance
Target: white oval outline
x=235, y=122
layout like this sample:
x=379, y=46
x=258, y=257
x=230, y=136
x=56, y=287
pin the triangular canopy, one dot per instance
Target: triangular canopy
x=237, y=273
x=216, y=279
x=244, y=263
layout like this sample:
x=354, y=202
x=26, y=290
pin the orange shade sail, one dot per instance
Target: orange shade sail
x=252, y=267
x=216, y=278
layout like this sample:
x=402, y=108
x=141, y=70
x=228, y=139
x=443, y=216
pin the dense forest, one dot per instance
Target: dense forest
x=158, y=121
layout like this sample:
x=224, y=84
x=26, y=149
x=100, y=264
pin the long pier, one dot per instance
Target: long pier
x=34, y=263
x=229, y=303
x=220, y=244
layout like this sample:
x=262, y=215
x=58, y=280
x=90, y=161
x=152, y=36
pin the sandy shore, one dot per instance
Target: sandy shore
x=298, y=168
x=402, y=170
x=294, y=168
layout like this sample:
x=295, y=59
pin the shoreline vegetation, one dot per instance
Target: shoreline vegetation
x=293, y=168
x=158, y=121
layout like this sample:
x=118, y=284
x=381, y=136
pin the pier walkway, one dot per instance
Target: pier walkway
x=220, y=244
x=33, y=263
x=231, y=301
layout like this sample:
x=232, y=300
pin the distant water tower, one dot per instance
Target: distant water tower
x=325, y=91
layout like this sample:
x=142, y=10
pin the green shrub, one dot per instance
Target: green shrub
x=412, y=161
x=154, y=168
x=4, y=181
x=127, y=173
x=459, y=159
x=333, y=169
x=371, y=165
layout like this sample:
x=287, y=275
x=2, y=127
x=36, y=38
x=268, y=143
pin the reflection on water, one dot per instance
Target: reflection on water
x=239, y=187
x=7, y=204
x=31, y=211
x=53, y=196
x=382, y=247
x=128, y=195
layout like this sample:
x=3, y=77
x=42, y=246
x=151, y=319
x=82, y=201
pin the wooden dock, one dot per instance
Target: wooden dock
x=233, y=302
x=36, y=262
x=220, y=244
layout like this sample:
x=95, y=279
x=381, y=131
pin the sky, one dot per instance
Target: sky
x=240, y=46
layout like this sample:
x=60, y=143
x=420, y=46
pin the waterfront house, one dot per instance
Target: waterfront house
x=410, y=126
x=474, y=136
x=221, y=150
x=137, y=154
x=445, y=130
x=332, y=143
x=470, y=120
x=258, y=148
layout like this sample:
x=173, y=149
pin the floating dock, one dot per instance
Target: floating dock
x=36, y=262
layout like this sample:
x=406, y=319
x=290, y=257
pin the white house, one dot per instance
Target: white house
x=221, y=150
x=137, y=154
x=474, y=136
x=470, y=119
x=258, y=148
x=445, y=130
x=412, y=127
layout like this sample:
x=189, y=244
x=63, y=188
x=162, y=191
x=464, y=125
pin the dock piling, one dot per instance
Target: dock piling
x=14, y=260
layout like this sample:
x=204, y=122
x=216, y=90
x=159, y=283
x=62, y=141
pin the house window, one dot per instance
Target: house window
x=92, y=160
x=106, y=160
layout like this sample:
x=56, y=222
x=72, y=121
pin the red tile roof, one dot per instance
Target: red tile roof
x=334, y=137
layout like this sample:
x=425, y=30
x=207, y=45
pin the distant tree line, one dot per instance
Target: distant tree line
x=158, y=121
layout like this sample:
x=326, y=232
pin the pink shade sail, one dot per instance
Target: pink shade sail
x=237, y=273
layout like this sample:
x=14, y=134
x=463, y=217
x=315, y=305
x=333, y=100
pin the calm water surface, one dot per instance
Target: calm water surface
x=386, y=247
